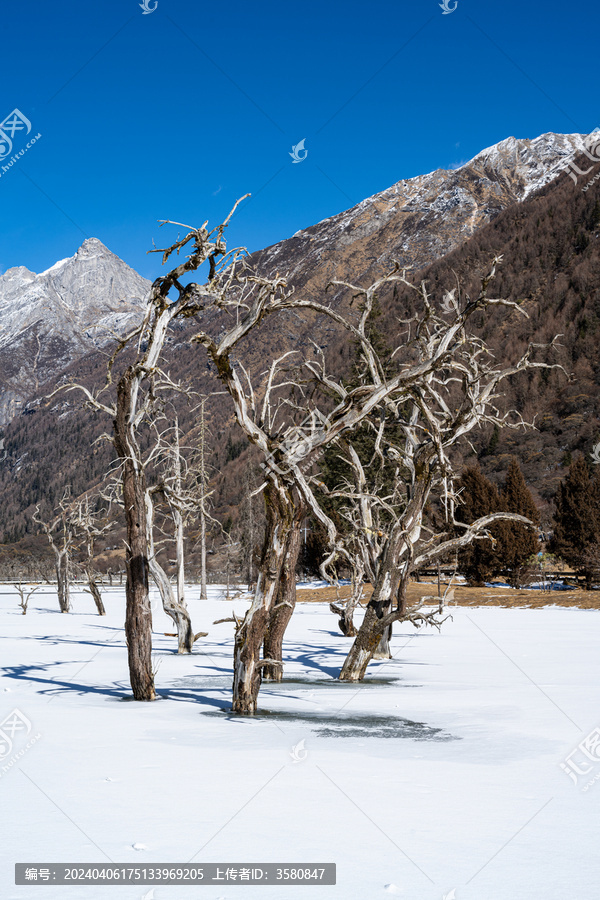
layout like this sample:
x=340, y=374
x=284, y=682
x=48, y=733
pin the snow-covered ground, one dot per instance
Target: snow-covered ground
x=440, y=773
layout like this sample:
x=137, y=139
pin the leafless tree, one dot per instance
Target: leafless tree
x=25, y=594
x=289, y=449
x=136, y=388
x=454, y=392
x=60, y=534
x=202, y=480
x=88, y=529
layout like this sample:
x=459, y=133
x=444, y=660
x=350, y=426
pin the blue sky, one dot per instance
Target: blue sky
x=176, y=113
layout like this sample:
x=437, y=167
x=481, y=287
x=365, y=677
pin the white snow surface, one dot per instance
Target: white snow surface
x=440, y=773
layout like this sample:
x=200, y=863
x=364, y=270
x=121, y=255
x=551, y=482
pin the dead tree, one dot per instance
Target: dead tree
x=174, y=606
x=60, y=534
x=181, y=480
x=88, y=529
x=248, y=527
x=25, y=595
x=433, y=413
x=202, y=479
x=290, y=449
x=136, y=388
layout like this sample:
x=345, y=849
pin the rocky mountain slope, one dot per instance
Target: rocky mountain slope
x=419, y=220
x=47, y=445
x=47, y=321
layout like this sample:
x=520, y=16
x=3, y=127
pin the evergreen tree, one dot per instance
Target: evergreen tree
x=577, y=519
x=479, y=497
x=517, y=543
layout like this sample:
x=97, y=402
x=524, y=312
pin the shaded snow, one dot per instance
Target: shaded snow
x=441, y=772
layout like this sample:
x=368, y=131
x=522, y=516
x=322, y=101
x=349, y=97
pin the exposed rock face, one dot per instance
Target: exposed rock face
x=47, y=321
x=418, y=220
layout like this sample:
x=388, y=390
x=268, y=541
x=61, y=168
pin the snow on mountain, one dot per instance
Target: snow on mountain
x=418, y=220
x=49, y=320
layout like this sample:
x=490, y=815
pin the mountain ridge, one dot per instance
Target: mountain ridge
x=50, y=319
x=29, y=471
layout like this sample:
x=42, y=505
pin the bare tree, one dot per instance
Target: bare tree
x=88, y=529
x=25, y=595
x=433, y=413
x=202, y=479
x=248, y=527
x=288, y=449
x=60, y=534
x=136, y=388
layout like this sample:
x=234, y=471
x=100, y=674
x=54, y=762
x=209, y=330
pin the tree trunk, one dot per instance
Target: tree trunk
x=346, y=613
x=180, y=557
x=203, y=589
x=173, y=608
x=383, y=650
x=372, y=640
x=95, y=592
x=138, y=616
x=250, y=635
x=62, y=581
x=284, y=607
x=177, y=612
x=363, y=648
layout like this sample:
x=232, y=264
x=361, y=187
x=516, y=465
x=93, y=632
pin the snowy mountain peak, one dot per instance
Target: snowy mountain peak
x=93, y=247
x=70, y=309
x=419, y=219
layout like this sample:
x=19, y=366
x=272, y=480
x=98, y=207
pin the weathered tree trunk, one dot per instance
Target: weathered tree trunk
x=62, y=580
x=203, y=588
x=364, y=646
x=283, y=610
x=179, y=556
x=138, y=616
x=250, y=635
x=177, y=612
x=371, y=638
x=95, y=592
x=346, y=612
x=383, y=650
x=174, y=608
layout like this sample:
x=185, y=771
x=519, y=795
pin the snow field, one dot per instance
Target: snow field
x=441, y=772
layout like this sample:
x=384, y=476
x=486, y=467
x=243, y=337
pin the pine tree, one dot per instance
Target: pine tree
x=479, y=561
x=517, y=543
x=577, y=518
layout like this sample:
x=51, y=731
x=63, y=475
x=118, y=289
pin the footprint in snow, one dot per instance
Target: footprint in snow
x=392, y=889
x=139, y=846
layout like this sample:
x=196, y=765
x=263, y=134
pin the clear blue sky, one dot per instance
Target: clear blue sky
x=176, y=113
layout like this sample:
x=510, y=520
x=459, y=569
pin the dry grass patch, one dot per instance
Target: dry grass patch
x=469, y=596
